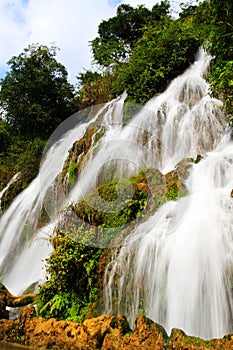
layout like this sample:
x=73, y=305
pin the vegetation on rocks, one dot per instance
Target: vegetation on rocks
x=71, y=290
x=100, y=219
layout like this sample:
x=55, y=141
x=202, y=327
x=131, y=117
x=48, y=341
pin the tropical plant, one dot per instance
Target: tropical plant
x=71, y=289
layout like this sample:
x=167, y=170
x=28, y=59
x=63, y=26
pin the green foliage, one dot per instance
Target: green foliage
x=28, y=161
x=164, y=51
x=172, y=193
x=221, y=36
x=35, y=93
x=5, y=137
x=72, y=173
x=118, y=35
x=222, y=85
x=35, y=97
x=149, y=47
x=114, y=204
x=95, y=88
x=145, y=50
x=65, y=305
x=22, y=156
x=220, y=39
x=71, y=288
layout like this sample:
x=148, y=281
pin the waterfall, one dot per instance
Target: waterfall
x=182, y=122
x=23, y=246
x=176, y=266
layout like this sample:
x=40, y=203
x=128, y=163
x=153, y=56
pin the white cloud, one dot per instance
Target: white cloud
x=69, y=25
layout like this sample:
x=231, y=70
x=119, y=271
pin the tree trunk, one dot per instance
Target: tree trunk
x=7, y=299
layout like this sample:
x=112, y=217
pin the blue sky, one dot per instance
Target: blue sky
x=69, y=25
x=114, y=2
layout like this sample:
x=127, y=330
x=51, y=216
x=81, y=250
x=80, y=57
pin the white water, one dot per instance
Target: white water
x=23, y=247
x=4, y=190
x=178, y=260
x=177, y=266
x=182, y=122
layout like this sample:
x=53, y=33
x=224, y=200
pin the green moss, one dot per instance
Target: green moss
x=72, y=171
x=173, y=193
x=112, y=206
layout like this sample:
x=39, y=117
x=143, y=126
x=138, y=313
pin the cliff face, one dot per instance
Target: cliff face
x=105, y=332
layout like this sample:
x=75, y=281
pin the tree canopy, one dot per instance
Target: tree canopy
x=164, y=51
x=118, y=35
x=35, y=94
x=143, y=50
x=221, y=13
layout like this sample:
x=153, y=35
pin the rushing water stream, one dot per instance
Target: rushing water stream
x=177, y=266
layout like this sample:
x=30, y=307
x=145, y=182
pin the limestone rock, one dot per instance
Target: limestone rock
x=105, y=332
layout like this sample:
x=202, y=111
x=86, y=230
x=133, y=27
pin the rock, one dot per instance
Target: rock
x=179, y=340
x=147, y=336
x=7, y=299
x=40, y=333
x=10, y=346
x=232, y=193
x=105, y=332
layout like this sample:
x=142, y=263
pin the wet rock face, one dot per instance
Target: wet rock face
x=105, y=332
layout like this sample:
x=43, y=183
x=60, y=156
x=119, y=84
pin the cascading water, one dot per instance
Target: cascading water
x=182, y=122
x=23, y=247
x=177, y=266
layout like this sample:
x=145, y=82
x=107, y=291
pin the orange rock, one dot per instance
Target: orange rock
x=105, y=332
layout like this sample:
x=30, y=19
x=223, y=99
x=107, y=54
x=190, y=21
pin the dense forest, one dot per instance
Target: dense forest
x=138, y=50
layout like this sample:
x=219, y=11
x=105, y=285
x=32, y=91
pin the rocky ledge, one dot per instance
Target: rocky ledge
x=105, y=332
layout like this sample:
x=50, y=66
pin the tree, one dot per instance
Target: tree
x=118, y=35
x=222, y=35
x=35, y=94
x=220, y=39
x=95, y=88
x=164, y=51
x=4, y=136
